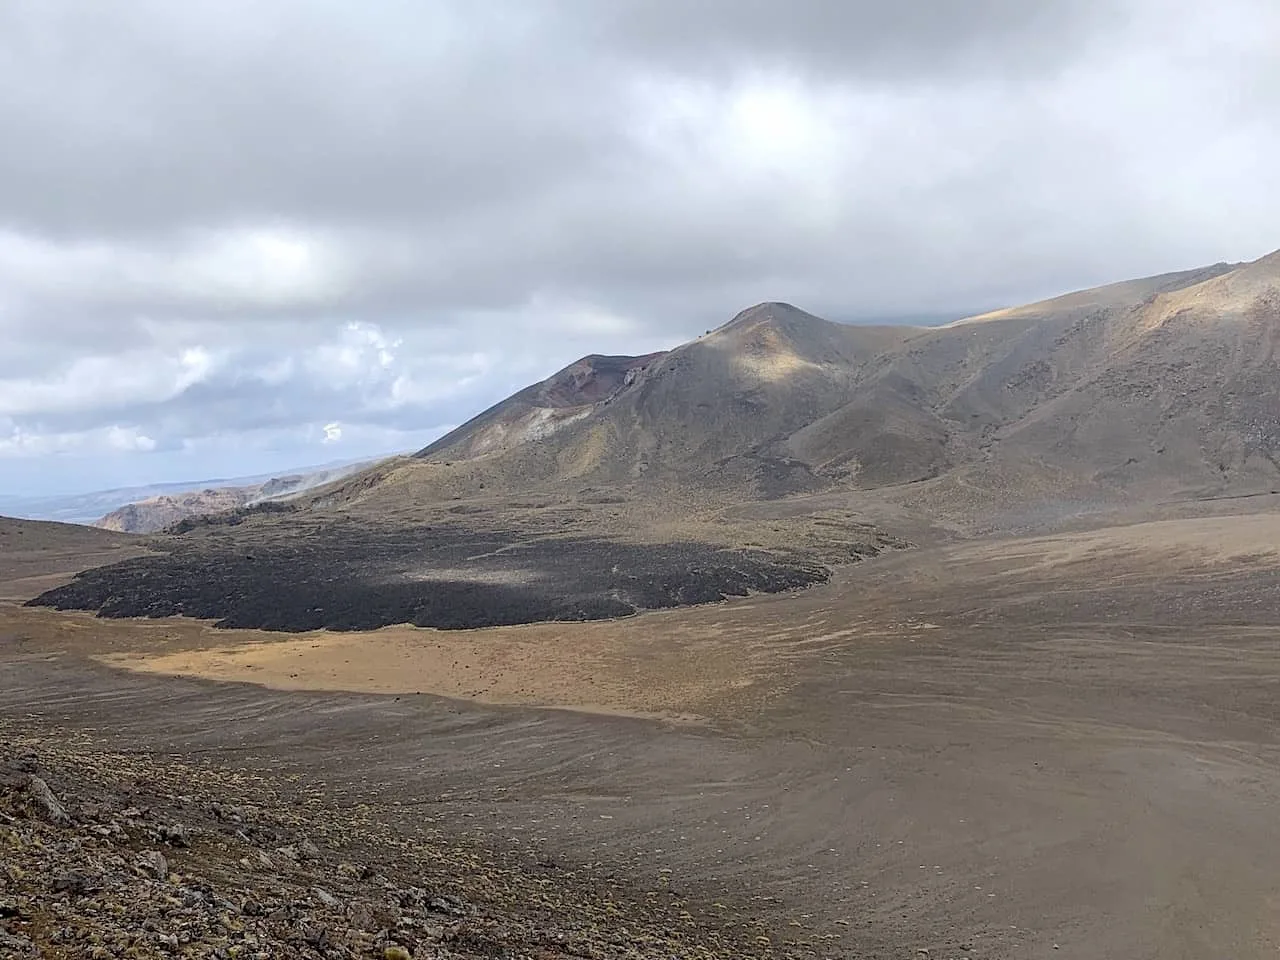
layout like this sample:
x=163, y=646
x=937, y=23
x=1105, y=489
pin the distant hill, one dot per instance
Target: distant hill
x=153, y=514
x=86, y=508
x=91, y=507
x=1164, y=386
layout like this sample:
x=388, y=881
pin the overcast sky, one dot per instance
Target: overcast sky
x=242, y=236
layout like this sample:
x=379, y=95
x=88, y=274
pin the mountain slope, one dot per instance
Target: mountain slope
x=38, y=554
x=540, y=410
x=1188, y=393
x=755, y=458
x=1164, y=384
x=718, y=407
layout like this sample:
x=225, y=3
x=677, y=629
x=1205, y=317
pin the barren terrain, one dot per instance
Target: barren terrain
x=1062, y=745
x=803, y=639
x=37, y=556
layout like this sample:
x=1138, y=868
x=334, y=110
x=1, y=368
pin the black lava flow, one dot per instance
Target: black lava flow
x=345, y=578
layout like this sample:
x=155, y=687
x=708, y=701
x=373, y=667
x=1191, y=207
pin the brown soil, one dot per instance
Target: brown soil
x=1058, y=746
x=37, y=556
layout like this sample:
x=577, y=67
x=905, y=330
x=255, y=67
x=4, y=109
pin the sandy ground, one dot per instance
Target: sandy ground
x=36, y=557
x=680, y=664
x=1064, y=746
x=666, y=665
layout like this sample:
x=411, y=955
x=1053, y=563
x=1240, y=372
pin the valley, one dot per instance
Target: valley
x=801, y=639
x=1005, y=744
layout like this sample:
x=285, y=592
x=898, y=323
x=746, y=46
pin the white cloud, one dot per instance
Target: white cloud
x=362, y=353
x=105, y=382
x=276, y=371
x=234, y=268
x=332, y=433
x=113, y=439
x=128, y=439
x=387, y=236
x=261, y=266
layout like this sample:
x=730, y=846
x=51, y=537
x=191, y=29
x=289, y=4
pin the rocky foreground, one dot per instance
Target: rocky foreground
x=104, y=856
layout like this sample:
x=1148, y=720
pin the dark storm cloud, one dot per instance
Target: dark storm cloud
x=240, y=217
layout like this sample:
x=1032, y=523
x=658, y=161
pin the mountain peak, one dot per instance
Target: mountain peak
x=770, y=311
x=1235, y=290
x=777, y=392
x=1268, y=264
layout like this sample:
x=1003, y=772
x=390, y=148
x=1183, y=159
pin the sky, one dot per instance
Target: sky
x=238, y=237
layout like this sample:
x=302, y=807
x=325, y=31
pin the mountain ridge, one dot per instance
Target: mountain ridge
x=776, y=390
x=758, y=457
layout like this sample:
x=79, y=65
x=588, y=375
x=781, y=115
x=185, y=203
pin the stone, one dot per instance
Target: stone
x=314, y=935
x=324, y=898
x=308, y=851
x=77, y=883
x=45, y=801
x=361, y=917
x=446, y=904
x=16, y=945
x=154, y=863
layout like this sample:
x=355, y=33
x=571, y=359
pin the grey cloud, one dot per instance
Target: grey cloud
x=356, y=374
x=169, y=115
x=531, y=181
x=151, y=116
x=872, y=39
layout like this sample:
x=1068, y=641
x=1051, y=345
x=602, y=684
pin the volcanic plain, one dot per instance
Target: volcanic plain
x=799, y=640
x=1063, y=745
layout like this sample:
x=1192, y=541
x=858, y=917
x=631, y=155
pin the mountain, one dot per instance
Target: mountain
x=1168, y=382
x=88, y=507
x=713, y=406
x=1154, y=387
x=153, y=514
x=540, y=410
x=758, y=456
